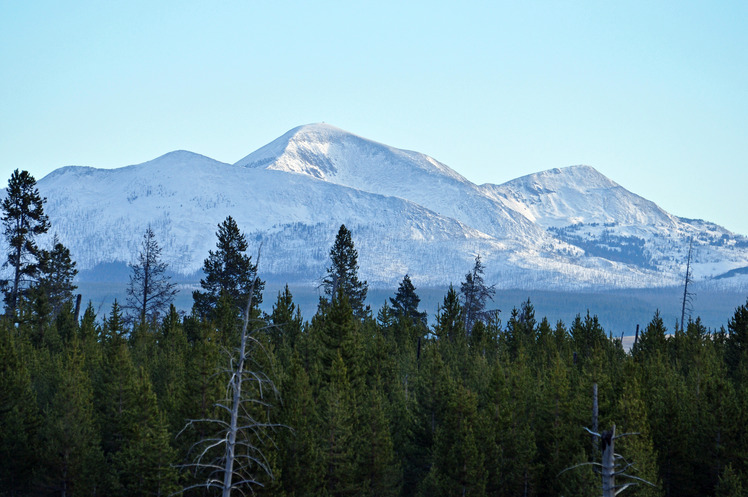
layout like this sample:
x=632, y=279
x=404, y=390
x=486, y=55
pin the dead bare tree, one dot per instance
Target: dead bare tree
x=687, y=296
x=234, y=456
x=612, y=465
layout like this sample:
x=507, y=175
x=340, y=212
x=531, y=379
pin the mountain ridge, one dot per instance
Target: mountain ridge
x=568, y=228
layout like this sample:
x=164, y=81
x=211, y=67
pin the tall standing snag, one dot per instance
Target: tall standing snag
x=687, y=296
x=233, y=457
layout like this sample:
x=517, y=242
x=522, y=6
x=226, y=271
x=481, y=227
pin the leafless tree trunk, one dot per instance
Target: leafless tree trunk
x=607, y=442
x=687, y=296
x=233, y=471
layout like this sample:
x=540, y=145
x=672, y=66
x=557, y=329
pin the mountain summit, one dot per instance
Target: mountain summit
x=563, y=228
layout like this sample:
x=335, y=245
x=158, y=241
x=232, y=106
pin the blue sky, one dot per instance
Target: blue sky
x=652, y=94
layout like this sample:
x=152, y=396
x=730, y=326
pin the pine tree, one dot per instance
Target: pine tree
x=150, y=291
x=449, y=319
x=381, y=470
x=56, y=274
x=458, y=464
x=405, y=303
x=638, y=450
x=475, y=295
x=286, y=319
x=23, y=220
x=652, y=341
x=303, y=468
x=229, y=273
x=72, y=459
x=736, y=347
x=145, y=461
x=730, y=483
x=19, y=415
x=342, y=275
x=338, y=433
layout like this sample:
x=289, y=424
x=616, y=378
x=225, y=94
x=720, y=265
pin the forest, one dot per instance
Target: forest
x=145, y=400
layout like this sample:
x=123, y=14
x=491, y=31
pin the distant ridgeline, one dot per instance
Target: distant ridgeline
x=561, y=229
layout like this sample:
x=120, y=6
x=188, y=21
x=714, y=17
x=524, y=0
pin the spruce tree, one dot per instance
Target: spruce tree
x=736, y=347
x=286, y=321
x=338, y=432
x=23, y=220
x=72, y=456
x=150, y=291
x=475, y=294
x=405, y=303
x=458, y=464
x=19, y=415
x=56, y=274
x=449, y=319
x=229, y=273
x=303, y=468
x=342, y=275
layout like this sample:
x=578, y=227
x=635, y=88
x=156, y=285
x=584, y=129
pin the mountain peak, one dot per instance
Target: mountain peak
x=332, y=154
x=576, y=194
x=179, y=157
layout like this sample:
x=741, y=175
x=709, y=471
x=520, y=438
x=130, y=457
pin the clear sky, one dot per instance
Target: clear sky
x=652, y=94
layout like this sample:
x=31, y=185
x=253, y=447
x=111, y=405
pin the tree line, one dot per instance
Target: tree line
x=347, y=403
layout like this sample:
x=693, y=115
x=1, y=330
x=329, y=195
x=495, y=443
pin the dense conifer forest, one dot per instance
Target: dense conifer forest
x=139, y=401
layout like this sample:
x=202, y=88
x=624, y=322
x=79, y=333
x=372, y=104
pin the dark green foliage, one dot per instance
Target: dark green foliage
x=449, y=318
x=56, y=274
x=368, y=407
x=652, y=341
x=286, y=320
x=730, y=484
x=229, y=273
x=20, y=420
x=23, y=220
x=72, y=456
x=458, y=464
x=342, y=275
x=736, y=348
x=405, y=303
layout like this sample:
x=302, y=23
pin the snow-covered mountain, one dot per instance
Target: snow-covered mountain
x=586, y=209
x=564, y=228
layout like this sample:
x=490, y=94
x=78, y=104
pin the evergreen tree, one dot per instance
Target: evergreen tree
x=150, y=291
x=458, y=464
x=229, y=273
x=638, y=450
x=19, y=416
x=56, y=274
x=286, y=320
x=736, y=347
x=521, y=332
x=114, y=327
x=730, y=483
x=145, y=462
x=23, y=220
x=652, y=341
x=338, y=433
x=475, y=294
x=303, y=469
x=449, y=318
x=380, y=469
x=587, y=335
x=405, y=303
x=342, y=275
x=72, y=453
